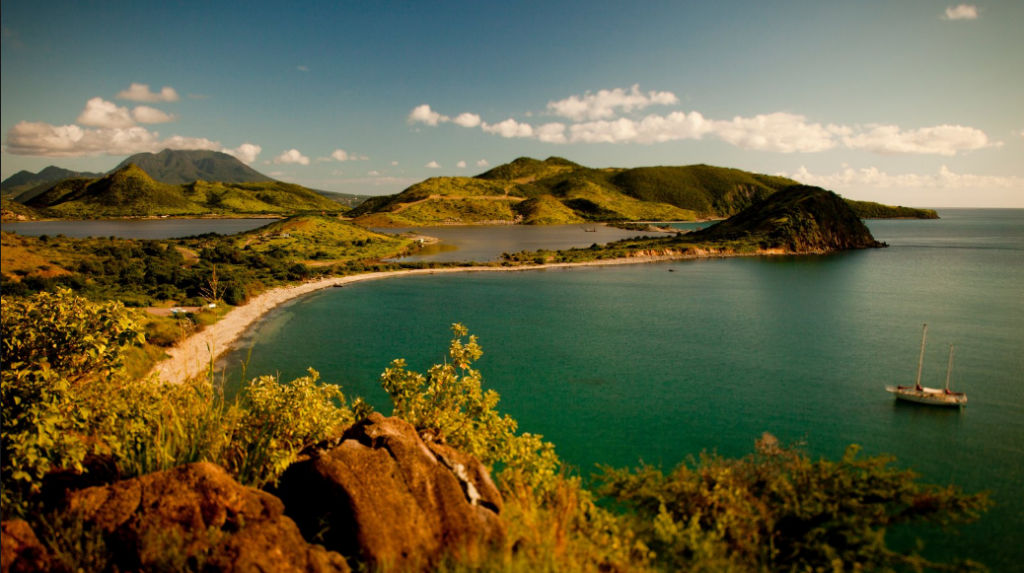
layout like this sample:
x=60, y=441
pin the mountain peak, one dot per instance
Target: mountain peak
x=180, y=167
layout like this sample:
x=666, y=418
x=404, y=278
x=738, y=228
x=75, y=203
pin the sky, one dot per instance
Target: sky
x=910, y=102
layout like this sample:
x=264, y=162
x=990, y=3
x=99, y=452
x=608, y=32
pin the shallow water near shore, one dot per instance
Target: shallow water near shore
x=619, y=364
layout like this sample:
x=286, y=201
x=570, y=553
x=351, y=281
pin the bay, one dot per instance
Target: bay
x=620, y=364
x=135, y=228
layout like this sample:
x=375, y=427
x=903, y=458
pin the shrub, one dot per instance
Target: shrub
x=777, y=510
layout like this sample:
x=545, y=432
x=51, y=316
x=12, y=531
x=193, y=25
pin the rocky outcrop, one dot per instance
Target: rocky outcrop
x=798, y=219
x=198, y=515
x=384, y=497
x=20, y=550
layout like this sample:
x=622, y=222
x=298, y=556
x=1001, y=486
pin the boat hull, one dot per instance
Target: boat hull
x=928, y=396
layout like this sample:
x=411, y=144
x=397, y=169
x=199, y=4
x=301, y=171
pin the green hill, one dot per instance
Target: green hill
x=24, y=185
x=176, y=167
x=798, y=219
x=320, y=238
x=558, y=191
x=13, y=211
x=131, y=192
x=870, y=210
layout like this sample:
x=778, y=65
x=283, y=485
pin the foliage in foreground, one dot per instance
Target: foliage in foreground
x=778, y=510
x=66, y=396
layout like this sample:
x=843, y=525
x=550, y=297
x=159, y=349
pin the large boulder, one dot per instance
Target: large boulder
x=196, y=515
x=20, y=550
x=384, y=497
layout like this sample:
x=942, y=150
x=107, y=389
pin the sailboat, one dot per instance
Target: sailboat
x=930, y=396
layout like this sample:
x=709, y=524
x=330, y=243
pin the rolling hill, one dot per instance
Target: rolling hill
x=130, y=191
x=22, y=184
x=798, y=219
x=558, y=191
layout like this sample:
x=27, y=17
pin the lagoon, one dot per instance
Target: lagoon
x=135, y=228
x=620, y=364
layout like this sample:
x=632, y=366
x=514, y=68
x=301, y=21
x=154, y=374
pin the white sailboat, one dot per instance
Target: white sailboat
x=930, y=396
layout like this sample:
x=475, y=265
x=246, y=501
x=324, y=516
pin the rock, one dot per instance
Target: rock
x=384, y=497
x=20, y=549
x=197, y=515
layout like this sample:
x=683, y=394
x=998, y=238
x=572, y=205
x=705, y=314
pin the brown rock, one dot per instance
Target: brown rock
x=385, y=497
x=20, y=549
x=197, y=514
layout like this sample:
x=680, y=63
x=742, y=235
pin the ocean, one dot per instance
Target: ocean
x=615, y=365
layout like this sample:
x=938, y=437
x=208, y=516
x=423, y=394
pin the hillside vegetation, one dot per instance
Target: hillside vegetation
x=870, y=210
x=130, y=191
x=177, y=167
x=558, y=191
x=23, y=184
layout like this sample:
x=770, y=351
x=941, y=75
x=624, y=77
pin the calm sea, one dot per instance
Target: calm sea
x=136, y=229
x=621, y=364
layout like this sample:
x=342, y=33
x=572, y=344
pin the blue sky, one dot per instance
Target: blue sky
x=917, y=102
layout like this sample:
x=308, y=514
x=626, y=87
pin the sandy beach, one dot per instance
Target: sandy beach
x=194, y=355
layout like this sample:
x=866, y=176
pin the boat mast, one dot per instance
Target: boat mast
x=920, y=362
x=949, y=370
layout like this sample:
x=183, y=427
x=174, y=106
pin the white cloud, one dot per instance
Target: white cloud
x=373, y=173
x=394, y=164
x=433, y=165
x=340, y=155
x=141, y=92
x=461, y=165
x=551, y=133
x=604, y=103
x=483, y=163
x=303, y=69
x=146, y=114
x=940, y=140
x=779, y=132
x=467, y=120
x=873, y=177
x=45, y=140
x=292, y=157
x=651, y=129
x=246, y=153
x=509, y=128
x=101, y=113
x=423, y=114
x=962, y=12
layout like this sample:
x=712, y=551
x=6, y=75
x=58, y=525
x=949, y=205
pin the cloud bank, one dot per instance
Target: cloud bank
x=142, y=93
x=291, y=157
x=962, y=12
x=45, y=140
x=873, y=177
x=595, y=118
x=604, y=103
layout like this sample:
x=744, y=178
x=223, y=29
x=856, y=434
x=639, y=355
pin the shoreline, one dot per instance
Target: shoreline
x=196, y=354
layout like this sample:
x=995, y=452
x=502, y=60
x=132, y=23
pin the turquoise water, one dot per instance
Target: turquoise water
x=619, y=364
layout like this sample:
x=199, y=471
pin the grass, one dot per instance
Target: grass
x=321, y=238
x=131, y=192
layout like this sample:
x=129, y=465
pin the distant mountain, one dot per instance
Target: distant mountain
x=798, y=219
x=558, y=191
x=25, y=181
x=175, y=167
x=870, y=210
x=130, y=191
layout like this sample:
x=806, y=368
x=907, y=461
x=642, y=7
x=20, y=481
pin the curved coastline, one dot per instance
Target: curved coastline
x=195, y=355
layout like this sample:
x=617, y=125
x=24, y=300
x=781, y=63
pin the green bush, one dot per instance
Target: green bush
x=778, y=510
x=450, y=406
x=60, y=357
